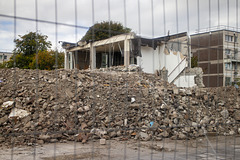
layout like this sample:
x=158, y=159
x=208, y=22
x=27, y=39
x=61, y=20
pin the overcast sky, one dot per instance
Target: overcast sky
x=151, y=15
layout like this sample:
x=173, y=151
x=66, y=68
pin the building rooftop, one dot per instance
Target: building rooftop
x=216, y=29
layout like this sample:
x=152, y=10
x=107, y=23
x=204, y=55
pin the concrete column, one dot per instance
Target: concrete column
x=110, y=56
x=71, y=61
x=189, y=52
x=66, y=61
x=92, y=57
x=126, y=52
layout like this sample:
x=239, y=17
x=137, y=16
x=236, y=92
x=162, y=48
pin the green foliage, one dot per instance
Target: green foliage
x=61, y=57
x=22, y=61
x=194, y=61
x=25, y=53
x=46, y=60
x=101, y=31
x=3, y=65
x=29, y=43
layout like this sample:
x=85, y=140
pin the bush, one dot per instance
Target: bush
x=22, y=61
x=46, y=60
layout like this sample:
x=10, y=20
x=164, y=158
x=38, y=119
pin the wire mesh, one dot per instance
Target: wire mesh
x=166, y=90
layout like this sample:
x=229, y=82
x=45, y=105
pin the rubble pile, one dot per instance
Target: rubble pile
x=56, y=106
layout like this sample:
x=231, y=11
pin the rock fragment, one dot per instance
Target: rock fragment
x=110, y=104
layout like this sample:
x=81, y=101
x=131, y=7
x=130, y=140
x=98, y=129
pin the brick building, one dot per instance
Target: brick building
x=218, y=55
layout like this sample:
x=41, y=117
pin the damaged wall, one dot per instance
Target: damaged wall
x=81, y=59
x=149, y=62
x=190, y=77
x=155, y=60
x=172, y=57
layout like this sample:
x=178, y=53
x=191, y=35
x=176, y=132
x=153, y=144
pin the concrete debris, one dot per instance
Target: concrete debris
x=3, y=119
x=199, y=75
x=237, y=115
x=7, y=104
x=110, y=103
x=225, y=113
x=133, y=100
x=45, y=138
x=144, y=136
x=82, y=137
x=18, y=113
x=102, y=141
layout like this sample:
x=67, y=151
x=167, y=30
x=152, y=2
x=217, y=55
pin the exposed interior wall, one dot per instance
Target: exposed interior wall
x=82, y=60
x=149, y=62
x=106, y=59
x=185, y=81
x=153, y=60
x=190, y=77
x=164, y=58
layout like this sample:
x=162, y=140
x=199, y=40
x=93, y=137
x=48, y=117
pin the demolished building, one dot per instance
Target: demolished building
x=217, y=53
x=153, y=55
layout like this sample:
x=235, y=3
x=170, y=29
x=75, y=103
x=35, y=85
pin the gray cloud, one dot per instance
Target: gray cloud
x=66, y=14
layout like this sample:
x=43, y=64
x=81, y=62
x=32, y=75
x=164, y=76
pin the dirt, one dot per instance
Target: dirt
x=211, y=147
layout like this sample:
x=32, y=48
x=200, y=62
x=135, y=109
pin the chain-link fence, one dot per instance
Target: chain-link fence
x=119, y=79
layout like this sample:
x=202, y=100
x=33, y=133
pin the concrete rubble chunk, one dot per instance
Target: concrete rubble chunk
x=18, y=113
x=3, y=119
x=83, y=125
x=143, y=135
x=103, y=141
x=99, y=132
x=45, y=138
x=133, y=100
x=237, y=115
x=7, y=104
x=86, y=108
x=134, y=106
x=225, y=113
x=182, y=136
x=82, y=137
x=176, y=91
x=69, y=93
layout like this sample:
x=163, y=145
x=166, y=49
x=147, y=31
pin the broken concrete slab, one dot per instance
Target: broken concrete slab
x=7, y=105
x=103, y=141
x=18, y=113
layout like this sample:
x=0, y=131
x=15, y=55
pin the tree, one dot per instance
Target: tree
x=30, y=43
x=101, y=31
x=46, y=60
x=25, y=53
x=26, y=48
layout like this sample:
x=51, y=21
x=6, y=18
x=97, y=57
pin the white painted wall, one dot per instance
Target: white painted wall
x=170, y=61
x=153, y=60
x=149, y=60
x=185, y=81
